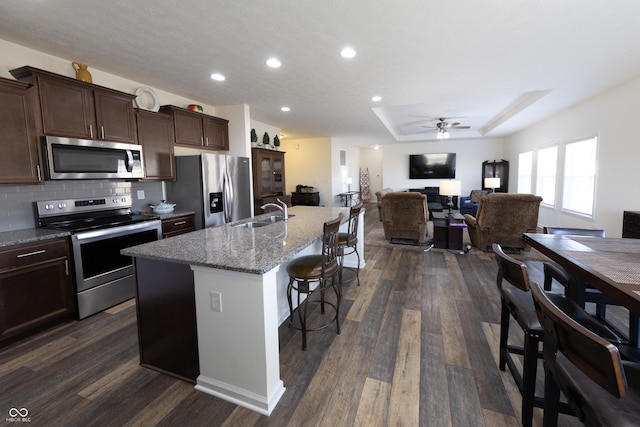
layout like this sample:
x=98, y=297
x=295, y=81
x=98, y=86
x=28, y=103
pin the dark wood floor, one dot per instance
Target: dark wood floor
x=418, y=347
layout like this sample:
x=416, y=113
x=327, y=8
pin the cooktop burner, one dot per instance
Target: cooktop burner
x=78, y=215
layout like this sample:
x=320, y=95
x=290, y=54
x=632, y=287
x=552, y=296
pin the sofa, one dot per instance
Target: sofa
x=503, y=218
x=404, y=217
x=379, y=195
x=435, y=202
x=469, y=204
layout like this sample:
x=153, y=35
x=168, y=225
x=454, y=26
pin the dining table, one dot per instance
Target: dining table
x=609, y=264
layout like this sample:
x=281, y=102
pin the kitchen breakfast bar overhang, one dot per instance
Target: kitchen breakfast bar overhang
x=209, y=302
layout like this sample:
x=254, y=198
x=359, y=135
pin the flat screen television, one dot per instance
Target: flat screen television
x=432, y=166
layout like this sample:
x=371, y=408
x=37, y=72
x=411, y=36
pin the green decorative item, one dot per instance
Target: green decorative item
x=276, y=142
x=254, y=136
x=265, y=139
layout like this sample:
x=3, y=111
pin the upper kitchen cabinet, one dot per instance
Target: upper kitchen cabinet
x=20, y=160
x=155, y=135
x=72, y=108
x=193, y=129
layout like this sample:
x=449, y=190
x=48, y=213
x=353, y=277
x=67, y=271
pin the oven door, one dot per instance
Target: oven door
x=97, y=258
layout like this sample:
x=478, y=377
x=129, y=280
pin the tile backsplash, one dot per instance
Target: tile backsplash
x=16, y=201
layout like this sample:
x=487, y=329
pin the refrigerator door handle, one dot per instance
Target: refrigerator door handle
x=227, y=194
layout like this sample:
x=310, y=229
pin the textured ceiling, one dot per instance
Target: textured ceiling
x=494, y=65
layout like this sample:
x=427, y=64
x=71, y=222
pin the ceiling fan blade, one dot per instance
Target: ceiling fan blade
x=460, y=127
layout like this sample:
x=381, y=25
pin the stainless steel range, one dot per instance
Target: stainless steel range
x=100, y=228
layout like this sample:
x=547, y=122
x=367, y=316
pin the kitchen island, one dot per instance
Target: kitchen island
x=223, y=289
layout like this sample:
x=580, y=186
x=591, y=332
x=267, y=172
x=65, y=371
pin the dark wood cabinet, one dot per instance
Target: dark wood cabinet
x=155, y=135
x=35, y=286
x=268, y=174
x=193, y=129
x=20, y=160
x=178, y=225
x=305, y=199
x=496, y=169
x=631, y=224
x=69, y=107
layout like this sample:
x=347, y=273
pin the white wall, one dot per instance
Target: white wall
x=371, y=160
x=470, y=154
x=308, y=162
x=613, y=117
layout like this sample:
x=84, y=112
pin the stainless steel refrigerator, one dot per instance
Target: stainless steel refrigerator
x=215, y=186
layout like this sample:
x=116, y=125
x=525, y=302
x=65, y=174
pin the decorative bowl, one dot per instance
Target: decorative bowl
x=195, y=107
x=163, y=207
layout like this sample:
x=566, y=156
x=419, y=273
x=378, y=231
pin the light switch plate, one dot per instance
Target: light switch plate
x=216, y=301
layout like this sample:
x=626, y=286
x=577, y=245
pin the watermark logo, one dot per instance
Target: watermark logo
x=18, y=415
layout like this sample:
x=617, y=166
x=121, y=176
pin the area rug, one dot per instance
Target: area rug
x=375, y=237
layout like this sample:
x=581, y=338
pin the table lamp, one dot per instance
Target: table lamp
x=492, y=183
x=450, y=188
x=348, y=181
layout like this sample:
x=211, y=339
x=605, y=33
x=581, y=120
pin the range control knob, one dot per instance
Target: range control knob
x=61, y=205
x=115, y=200
x=49, y=207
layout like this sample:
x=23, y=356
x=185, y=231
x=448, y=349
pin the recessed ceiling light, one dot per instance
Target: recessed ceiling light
x=217, y=77
x=273, y=63
x=376, y=98
x=348, y=52
x=285, y=109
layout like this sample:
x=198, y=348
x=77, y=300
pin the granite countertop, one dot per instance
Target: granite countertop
x=29, y=235
x=249, y=250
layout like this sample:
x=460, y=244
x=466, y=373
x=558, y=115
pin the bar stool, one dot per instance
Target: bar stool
x=516, y=302
x=316, y=273
x=602, y=389
x=349, y=240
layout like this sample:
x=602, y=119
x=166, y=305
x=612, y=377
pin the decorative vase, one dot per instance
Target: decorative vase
x=82, y=73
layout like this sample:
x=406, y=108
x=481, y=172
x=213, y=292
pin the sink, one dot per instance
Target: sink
x=262, y=222
x=254, y=224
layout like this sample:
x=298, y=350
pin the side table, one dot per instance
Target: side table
x=448, y=231
x=350, y=198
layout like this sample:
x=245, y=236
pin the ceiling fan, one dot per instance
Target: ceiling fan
x=443, y=127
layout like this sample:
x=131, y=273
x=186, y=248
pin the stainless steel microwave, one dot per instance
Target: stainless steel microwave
x=68, y=158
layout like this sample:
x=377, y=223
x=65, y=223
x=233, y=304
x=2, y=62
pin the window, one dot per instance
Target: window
x=546, y=180
x=525, y=165
x=580, y=176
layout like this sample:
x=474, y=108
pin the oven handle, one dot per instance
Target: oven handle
x=119, y=231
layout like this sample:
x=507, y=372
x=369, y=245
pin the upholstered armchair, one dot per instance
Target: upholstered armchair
x=469, y=204
x=404, y=216
x=379, y=195
x=502, y=218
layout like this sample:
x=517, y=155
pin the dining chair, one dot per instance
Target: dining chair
x=349, y=241
x=316, y=273
x=600, y=387
x=516, y=301
x=553, y=270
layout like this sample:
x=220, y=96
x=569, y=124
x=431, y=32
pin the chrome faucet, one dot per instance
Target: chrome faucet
x=282, y=206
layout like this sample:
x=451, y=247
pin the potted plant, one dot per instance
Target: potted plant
x=254, y=138
x=276, y=142
x=265, y=140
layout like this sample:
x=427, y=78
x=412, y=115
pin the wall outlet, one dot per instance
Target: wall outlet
x=140, y=194
x=216, y=301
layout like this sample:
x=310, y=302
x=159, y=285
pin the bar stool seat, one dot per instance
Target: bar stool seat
x=311, y=274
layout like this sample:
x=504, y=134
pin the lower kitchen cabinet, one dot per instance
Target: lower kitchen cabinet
x=36, y=286
x=178, y=225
